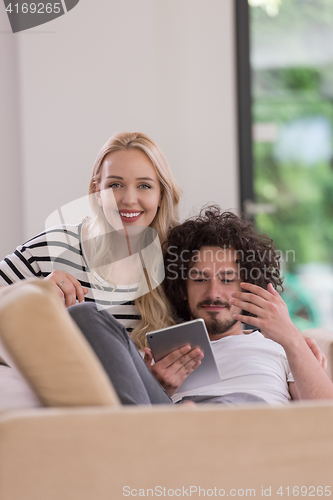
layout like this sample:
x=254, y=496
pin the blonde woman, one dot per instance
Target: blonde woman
x=146, y=195
x=103, y=262
x=131, y=188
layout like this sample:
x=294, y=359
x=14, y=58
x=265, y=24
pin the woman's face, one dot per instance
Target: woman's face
x=129, y=190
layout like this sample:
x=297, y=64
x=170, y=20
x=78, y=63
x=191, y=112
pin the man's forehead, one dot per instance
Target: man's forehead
x=214, y=254
x=212, y=270
x=212, y=261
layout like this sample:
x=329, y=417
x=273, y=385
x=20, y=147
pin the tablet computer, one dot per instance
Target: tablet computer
x=194, y=333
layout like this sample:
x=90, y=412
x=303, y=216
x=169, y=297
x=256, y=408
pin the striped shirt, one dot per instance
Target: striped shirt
x=60, y=248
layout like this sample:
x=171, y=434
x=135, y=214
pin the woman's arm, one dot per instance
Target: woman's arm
x=35, y=259
x=68, y=287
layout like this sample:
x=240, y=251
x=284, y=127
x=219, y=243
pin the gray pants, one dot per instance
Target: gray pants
x=120, y=358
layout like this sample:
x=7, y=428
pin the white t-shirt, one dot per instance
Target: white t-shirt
x=248, y=363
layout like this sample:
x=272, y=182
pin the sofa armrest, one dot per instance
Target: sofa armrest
x=93, y=453
x=49, y=350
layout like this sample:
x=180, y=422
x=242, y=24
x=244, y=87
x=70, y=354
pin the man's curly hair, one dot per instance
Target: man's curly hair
x=259, y=262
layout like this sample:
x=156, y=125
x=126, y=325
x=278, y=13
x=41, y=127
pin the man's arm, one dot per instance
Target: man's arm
x=272, y=317
x=293, y=391
x=318, y=353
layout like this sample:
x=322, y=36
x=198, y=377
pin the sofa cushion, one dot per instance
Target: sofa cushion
x=49, y=350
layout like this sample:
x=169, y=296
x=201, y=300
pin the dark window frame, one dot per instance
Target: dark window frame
x=244, y=102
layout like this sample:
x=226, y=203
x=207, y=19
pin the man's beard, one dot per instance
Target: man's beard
x=215, y=326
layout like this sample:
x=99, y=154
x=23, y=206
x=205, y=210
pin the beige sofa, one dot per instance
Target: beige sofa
x=83, y=445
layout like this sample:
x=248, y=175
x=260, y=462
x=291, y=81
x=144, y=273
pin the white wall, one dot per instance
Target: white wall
x=11, y=203
x=162, y=67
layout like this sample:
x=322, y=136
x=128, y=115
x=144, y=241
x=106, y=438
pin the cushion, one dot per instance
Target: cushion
x=48, y=349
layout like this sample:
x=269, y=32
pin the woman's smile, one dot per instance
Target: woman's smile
x=129, y=216
x=130, y=187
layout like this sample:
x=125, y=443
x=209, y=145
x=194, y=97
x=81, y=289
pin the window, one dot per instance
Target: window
x=288, y=188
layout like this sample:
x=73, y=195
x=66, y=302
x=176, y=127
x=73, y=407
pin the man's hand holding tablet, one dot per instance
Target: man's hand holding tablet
x=183, y=357
x=173, y=369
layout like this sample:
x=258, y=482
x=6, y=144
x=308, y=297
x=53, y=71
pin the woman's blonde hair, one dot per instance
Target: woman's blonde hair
x=153, y=307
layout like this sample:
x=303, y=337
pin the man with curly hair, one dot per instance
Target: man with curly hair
x=219, y=269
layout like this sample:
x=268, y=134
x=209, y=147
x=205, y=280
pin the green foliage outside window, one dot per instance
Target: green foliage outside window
x=286, y=93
